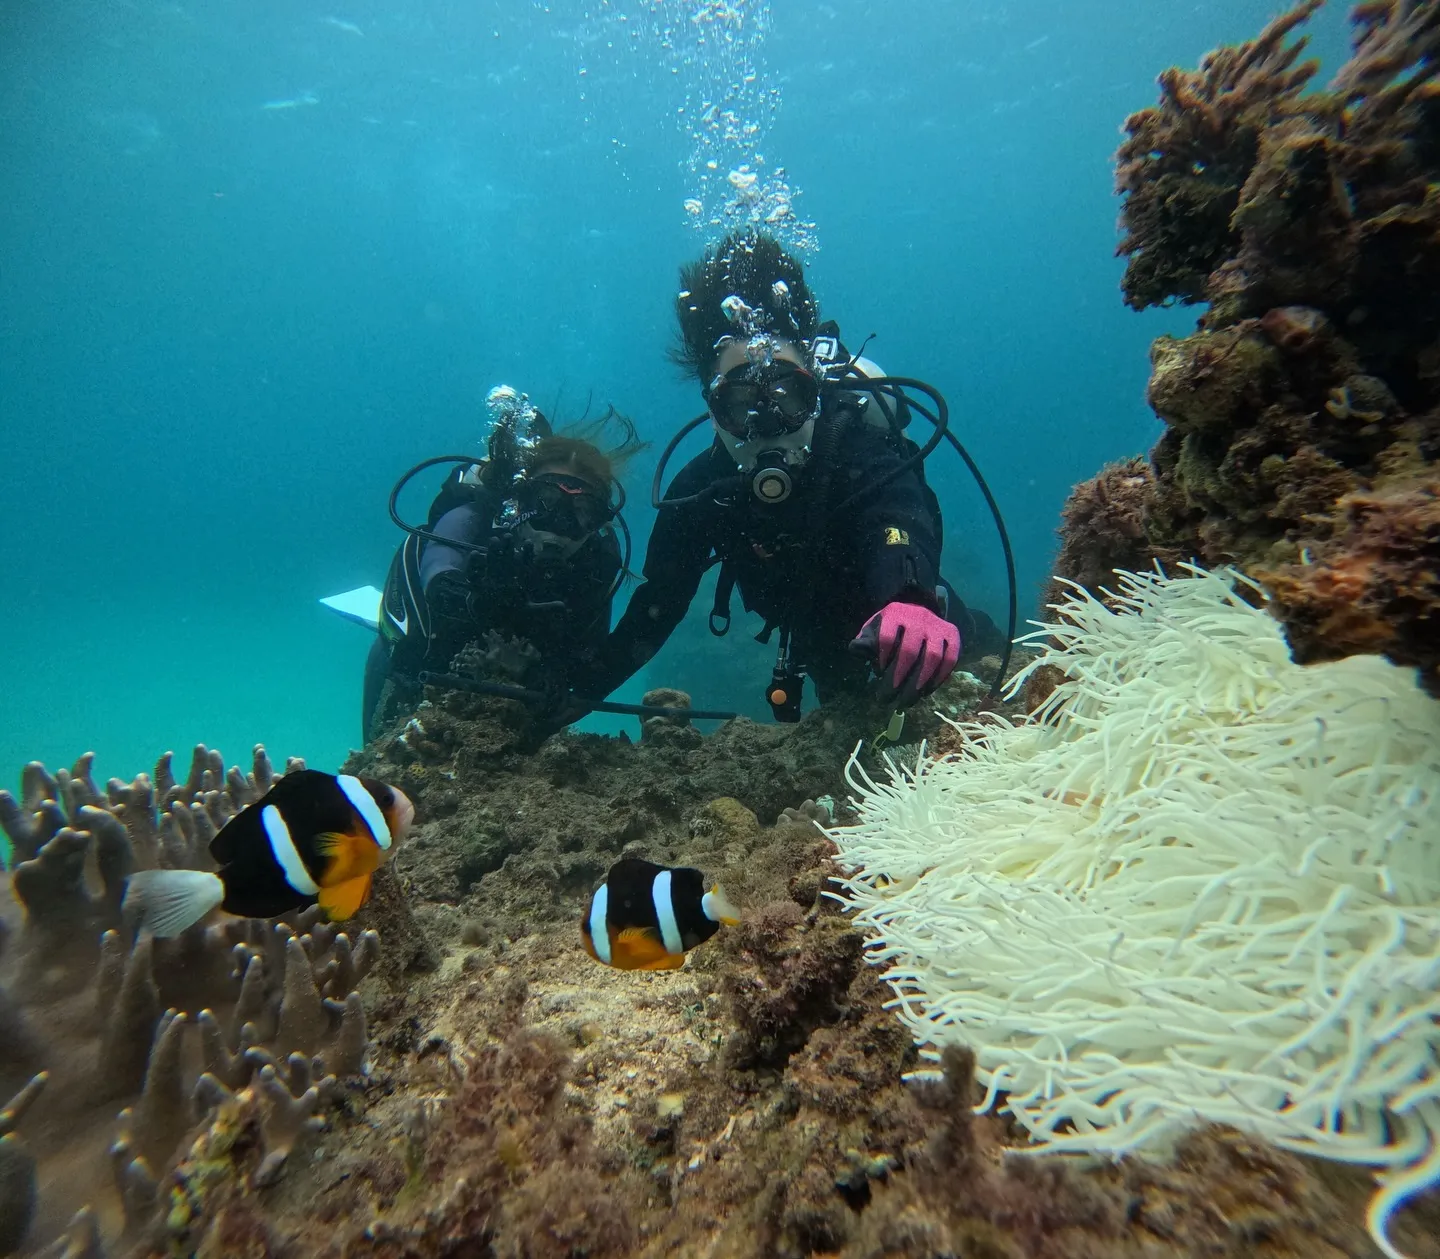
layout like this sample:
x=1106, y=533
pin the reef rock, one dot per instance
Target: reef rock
x=1303, y=416
x=522, y=1100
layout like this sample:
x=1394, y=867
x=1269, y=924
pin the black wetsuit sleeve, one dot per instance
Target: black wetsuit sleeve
x=675, y=559
x=894, y=530
x=463, y=524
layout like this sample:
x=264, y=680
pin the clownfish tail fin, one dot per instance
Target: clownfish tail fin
x=167, y=902
x=716, y=906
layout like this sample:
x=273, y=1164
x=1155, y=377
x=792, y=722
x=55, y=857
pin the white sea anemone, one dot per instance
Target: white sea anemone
x=1201, y=884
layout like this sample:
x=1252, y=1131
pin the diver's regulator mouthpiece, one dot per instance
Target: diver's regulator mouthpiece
x=768, y=465
x=771, y=482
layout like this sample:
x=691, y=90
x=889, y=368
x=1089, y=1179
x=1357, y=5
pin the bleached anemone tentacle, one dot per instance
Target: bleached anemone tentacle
x=1201, y=884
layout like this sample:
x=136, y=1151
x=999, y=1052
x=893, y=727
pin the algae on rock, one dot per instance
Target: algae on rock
x=1303, y=416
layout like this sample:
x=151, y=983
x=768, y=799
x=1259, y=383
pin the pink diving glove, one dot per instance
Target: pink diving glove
x=912, y=648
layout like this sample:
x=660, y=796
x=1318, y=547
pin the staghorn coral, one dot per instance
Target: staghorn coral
x=111, y=1018
x=285, y=1109
x=1246, y=191
x=1303, y=416
x=1397, y=43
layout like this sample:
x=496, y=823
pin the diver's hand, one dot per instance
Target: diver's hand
x=912, y=649
x=555, y=714
x=560, y=706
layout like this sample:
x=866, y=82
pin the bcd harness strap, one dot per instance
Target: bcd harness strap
x=827, y=446
x=720, y=610
x=724, y=588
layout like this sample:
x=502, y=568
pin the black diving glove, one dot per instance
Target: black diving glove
x=558, y=711
x=560, y=707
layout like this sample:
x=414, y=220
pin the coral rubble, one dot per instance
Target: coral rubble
x=1303, y=415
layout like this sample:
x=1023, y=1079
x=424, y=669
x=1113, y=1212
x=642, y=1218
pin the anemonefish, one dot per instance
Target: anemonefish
x=313, y=837
x=646, y=917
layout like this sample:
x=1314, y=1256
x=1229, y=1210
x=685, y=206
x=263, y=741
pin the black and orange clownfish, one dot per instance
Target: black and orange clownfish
x=312, y=838
x=646, y=917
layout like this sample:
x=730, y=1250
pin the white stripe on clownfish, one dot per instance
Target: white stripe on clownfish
x=664, y=900
x=599, y=927
x=366, y=807
x=282, y=847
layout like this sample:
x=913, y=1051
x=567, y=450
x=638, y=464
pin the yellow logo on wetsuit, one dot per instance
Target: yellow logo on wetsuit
x=896, y=537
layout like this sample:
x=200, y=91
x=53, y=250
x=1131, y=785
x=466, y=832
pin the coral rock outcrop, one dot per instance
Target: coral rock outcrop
x=523, y=1100
x=1303, y=415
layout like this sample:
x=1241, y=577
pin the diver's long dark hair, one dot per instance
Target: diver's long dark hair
x=745, y=264
x=595, y=449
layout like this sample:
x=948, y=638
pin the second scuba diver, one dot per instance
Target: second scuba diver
x=810, y=498
x=523, y=545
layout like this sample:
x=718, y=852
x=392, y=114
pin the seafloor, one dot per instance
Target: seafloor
x=522, y=1100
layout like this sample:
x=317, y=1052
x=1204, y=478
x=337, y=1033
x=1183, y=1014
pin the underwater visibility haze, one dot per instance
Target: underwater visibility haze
x=261, y=258
x=1120, y=939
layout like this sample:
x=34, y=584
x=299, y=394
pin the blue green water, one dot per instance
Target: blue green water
x=225, y=328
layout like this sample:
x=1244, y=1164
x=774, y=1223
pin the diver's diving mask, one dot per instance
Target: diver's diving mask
x=763, y=400
x=560, y=503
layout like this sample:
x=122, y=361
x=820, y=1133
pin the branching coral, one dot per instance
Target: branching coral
x=1246, y=191
x=1199, y=885
x=1397, y=53
x=111, y=1019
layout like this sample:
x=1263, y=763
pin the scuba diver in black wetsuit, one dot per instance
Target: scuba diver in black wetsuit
x=811, y=499
x=524, y=544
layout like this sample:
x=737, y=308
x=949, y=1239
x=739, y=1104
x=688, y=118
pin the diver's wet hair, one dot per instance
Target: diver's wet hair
x=595, y=450
x=747, y=265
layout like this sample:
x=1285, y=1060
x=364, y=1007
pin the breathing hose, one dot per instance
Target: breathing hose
x=475, y=548
x=455, y=682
